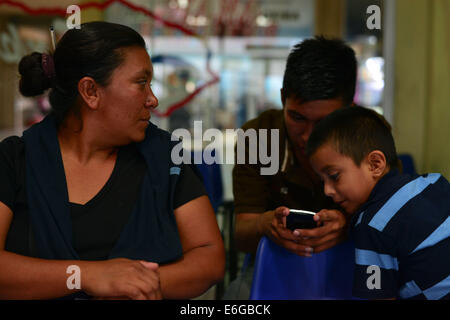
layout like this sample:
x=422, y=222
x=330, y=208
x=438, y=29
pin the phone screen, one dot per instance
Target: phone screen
x=300, y=219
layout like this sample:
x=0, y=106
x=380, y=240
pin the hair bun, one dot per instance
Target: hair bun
x=33, y=81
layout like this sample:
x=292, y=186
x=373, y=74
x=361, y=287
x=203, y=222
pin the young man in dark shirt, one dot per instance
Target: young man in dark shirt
x=320, y=77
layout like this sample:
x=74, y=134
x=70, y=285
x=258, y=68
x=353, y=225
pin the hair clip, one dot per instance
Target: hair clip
x=48, y=65
x=52, y=37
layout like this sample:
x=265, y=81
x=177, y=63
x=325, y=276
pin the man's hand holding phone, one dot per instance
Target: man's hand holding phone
x=329, y=230
x=284, y=237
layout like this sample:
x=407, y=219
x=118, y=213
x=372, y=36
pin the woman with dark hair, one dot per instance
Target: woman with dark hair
x=93, y=184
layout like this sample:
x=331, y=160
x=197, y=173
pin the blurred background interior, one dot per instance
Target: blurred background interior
x=222, y=62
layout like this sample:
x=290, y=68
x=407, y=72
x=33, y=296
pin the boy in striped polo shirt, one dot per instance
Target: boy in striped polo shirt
x=400, y=223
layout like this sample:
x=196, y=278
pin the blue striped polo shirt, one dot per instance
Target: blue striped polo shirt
x=402, y=239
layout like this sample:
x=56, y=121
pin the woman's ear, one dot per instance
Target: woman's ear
x=377, y=163
x=89, y=92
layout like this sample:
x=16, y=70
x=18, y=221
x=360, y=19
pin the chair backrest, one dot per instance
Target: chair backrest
x=212, y=180
x=282, y=275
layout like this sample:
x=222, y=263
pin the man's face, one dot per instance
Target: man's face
x=300, y=118
x=348, y=184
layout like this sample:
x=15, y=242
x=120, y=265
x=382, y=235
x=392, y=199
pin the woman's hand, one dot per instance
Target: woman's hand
x=121, y=278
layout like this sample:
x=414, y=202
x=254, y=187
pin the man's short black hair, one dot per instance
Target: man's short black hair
x=319, y=69
x=354, y=132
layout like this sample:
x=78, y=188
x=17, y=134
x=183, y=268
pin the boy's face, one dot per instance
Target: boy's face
x=348, y=184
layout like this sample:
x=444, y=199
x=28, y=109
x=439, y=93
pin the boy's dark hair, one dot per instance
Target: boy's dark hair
x=354, y=132
x=319, y=69
x=95, y=50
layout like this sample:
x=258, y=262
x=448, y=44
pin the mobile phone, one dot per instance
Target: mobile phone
x=300, y=219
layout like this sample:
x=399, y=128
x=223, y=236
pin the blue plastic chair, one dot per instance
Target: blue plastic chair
x=212, y=180
x=282, y=275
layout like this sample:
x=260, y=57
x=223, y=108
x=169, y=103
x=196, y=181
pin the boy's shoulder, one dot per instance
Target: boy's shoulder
x=406, y=234
x=406, y=209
